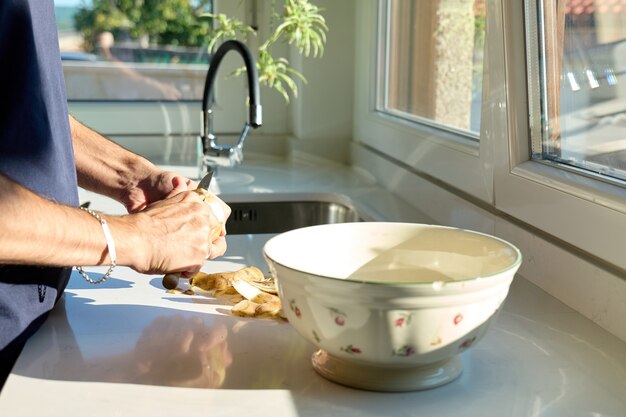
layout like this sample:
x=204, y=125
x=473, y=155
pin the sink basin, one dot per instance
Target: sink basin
x=254, y=217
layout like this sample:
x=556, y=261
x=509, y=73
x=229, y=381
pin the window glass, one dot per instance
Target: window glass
x=133, y=50
x=434, y=59
x=584, y=86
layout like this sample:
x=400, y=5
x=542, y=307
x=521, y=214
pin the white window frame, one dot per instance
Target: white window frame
x=422, y=147
x=587, y=213
x=582, y=213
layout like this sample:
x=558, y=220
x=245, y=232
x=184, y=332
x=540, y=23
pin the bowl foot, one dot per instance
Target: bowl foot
x=374, y=378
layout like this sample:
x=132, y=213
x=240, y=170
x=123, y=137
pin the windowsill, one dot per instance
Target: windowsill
x=568, y=181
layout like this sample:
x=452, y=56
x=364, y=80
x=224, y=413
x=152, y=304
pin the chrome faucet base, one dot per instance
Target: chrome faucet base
x=223, y=156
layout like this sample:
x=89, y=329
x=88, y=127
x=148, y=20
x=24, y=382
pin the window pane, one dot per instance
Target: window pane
x=129, y=50
x=584, y=86
x=434, y=59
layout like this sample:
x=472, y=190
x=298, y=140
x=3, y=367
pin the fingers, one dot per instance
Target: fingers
x=180, y=184
x=220, y=212
x=153, y=185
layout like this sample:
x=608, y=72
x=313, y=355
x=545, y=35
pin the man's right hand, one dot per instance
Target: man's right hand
x=172, y=235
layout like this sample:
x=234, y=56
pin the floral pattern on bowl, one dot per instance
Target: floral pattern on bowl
x=410, y=325
x=335, y=331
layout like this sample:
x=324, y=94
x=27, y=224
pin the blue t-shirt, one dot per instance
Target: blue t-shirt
x=35, y=151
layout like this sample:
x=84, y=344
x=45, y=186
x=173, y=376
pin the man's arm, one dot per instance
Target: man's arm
x=104, y=167
x=37, y=231
x=169, y=236
x=168, y=231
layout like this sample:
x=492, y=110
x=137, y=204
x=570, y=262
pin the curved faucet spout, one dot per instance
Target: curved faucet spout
x=255, y=118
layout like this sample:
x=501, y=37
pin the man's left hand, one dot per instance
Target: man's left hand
x=156, y=186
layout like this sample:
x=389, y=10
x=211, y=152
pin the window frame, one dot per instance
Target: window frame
x=498, y=172
x=533, y=191
x=437, y=148
x=382, y=85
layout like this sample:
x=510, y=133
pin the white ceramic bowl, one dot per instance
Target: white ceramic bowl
x=390, y=305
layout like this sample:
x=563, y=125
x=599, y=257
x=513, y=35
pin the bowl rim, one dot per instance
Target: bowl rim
x=457, y=282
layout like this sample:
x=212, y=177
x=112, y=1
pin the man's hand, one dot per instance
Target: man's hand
x=172, y=220
x=159, y=185
x=176, y=234
x=155, y=186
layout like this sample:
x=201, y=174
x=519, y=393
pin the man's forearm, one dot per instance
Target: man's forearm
x=102, y=165
x=37, y=231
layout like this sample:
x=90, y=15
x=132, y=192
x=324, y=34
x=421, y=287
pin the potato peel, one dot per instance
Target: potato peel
x=250, y=292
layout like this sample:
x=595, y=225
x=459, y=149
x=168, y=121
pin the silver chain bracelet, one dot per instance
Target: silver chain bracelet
x=110, y=247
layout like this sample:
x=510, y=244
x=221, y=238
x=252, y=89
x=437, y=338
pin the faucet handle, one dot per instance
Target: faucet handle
x=242, y=136
x=223, y=155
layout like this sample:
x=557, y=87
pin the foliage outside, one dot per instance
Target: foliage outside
x=186, y=23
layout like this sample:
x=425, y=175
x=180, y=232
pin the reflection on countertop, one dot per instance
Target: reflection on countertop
x=171, y=350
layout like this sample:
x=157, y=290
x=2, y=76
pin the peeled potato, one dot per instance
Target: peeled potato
x=211, y=199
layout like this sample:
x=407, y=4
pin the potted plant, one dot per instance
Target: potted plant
x=300, y=23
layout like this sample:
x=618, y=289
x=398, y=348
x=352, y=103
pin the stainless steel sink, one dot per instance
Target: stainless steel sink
x=281, y=216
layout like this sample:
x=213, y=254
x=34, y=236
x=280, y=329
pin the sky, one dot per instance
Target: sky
x=68, y=2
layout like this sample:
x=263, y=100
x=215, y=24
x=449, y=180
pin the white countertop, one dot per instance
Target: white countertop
x=90, y=358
